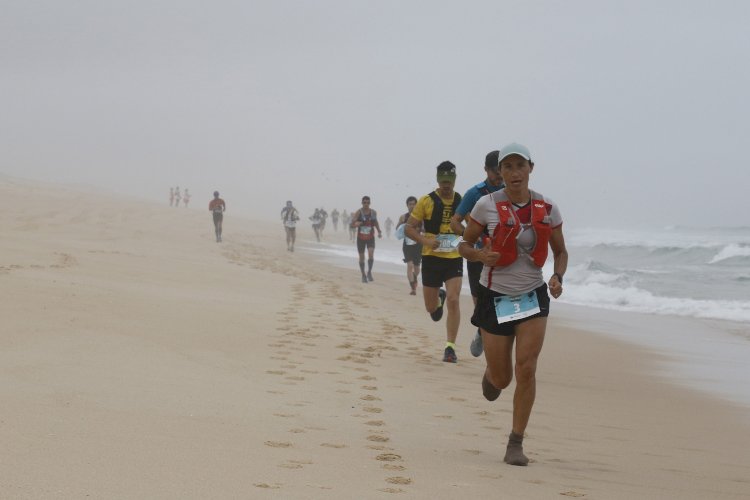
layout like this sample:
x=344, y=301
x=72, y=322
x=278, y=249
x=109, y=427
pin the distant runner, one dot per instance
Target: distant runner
x=315, y=220
x=290, y=216
x=335, y=219
x=186, y=198
x=441, y=262
x=323, y=219
x=352, y=228
x=412, y=250
x=513, y=302
x=177, y=197
x=388, y=227
x=365, y=221
x=217, y=207
x=171, y=197
x=492, y=183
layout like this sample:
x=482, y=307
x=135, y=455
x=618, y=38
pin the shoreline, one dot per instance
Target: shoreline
x=713, y=360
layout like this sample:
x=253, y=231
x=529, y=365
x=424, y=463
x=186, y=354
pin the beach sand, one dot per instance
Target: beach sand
x=140, y=359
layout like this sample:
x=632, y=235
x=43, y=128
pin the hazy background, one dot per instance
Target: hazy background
x=636, y=112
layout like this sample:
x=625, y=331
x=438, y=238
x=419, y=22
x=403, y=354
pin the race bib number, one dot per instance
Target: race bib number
x=290, y=224
x=448, y=242
x=510, y=308
x=365, y=229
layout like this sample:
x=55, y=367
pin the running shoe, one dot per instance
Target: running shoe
x=364, y=279
x=476, y=347
x=438, y=313
x=490, y=392
x=369, y=277
x=450, y=355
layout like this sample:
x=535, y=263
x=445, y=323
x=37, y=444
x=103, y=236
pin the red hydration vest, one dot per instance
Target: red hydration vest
x=366, y=231
x=504, y=236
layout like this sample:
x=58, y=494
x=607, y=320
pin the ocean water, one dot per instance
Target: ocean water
x=700, y=273
x=689, y=272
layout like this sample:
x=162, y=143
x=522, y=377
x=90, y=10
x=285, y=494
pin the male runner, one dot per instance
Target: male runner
x=412, y=250
x=388, y=226
x=493, y=182
x=335, y=219
x=290, y=216
x=441, y=262
x=365, y=220
x=218, y=207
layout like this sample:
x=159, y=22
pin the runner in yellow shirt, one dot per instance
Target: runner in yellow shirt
x=441, y=262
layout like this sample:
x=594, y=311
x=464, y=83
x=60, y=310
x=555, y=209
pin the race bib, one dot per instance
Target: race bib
x=448, y=243
x=510, y=308
x=365, y=229
x=290, y=223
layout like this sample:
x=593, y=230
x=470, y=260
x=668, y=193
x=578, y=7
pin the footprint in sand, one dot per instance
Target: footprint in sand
x=375, y=423
x=394, y=467
x=274, y=486
x=388, y=457
x=572, y=494
x=369, y=388
x=278, y=444
x=372, y=409
x=378, y=438
x=290, y=466
x=333, y=445
x=398, y=480
x=447, y=417
x=297, y=431
x=370, y=397
x=275, y=372
x=392, y=490
x=367, y=377
x=378, y=447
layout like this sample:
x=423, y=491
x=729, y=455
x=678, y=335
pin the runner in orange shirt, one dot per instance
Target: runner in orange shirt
x=218, y=207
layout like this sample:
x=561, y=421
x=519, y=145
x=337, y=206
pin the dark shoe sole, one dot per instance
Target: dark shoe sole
x=490, y=392
x=438, y=313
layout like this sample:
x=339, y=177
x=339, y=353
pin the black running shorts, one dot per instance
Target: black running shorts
x=362, y=244
x=475, y=272
x=413, y=253
x=485, y=317
x=438, y=270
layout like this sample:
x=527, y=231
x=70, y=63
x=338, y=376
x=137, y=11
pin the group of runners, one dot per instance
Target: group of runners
x=175, y=196
x=504, y=230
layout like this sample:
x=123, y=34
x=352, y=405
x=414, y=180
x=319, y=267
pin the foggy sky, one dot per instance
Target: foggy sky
x=635, y=112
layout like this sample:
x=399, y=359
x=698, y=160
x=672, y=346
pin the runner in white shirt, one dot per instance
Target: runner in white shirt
x=513, y=301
